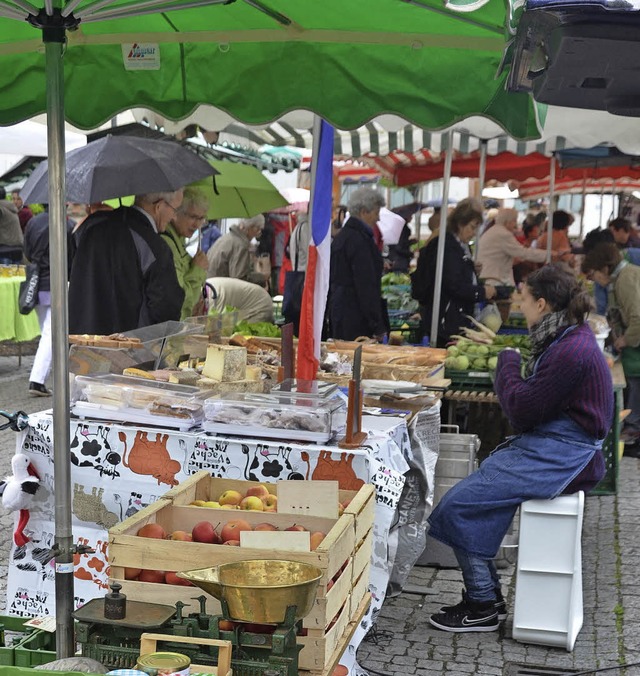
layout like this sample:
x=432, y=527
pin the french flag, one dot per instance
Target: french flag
x=316, y=284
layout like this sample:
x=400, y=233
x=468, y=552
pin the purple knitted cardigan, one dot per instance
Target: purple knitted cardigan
x=572, y=377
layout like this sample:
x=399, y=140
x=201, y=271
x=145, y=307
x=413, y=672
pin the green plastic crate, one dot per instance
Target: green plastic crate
x=36, y=649
x=10, y=623
x=472, y=381
x=609, y=484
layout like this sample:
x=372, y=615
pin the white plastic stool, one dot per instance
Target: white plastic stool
x=548, y=604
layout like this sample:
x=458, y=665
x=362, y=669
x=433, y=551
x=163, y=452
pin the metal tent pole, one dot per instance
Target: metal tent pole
x=63, y=547
x=552, y=187
x=481, y=178
x=601, y=206
x=583, y=205
x=433, y=336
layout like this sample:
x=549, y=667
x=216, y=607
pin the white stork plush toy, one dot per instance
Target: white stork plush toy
x=17, y=493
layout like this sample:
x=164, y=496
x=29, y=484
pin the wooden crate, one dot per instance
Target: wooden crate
x=361, y=508
x=341, y=555
x=319, y=645
x=359, y=590
x=362, y=555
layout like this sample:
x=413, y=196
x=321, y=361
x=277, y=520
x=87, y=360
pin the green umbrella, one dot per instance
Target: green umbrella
x=239, y=191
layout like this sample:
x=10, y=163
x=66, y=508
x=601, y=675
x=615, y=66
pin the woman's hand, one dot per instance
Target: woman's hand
x=201, y=260
x=489, y=291
x=620, y=343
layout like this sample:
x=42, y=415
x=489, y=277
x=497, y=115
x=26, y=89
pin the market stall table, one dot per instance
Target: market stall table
x=15, y=327
x=117, y=469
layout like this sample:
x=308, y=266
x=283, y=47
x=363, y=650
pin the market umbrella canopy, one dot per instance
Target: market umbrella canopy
x=239, y=191
x=115, y=166
x=348, y=62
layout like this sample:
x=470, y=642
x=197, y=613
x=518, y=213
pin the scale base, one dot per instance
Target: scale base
x=357, y=440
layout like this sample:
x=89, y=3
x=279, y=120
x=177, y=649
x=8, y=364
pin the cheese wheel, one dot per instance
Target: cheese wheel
x=225, y=362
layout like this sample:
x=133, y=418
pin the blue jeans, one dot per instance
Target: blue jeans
x=480, y=576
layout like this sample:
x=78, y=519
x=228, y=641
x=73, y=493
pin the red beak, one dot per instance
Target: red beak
x=32, y=471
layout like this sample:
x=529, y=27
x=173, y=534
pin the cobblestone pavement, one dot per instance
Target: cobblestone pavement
x=407, y=644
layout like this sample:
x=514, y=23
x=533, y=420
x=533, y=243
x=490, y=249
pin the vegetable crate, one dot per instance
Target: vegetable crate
x=36, y=649
x=473, y=381
x=609, y=483
x=343, y=556
x=12, y=633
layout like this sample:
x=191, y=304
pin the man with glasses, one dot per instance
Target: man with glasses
x=191, y=272
x=123, y=276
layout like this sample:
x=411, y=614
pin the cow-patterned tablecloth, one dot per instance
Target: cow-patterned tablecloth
x=117, y=469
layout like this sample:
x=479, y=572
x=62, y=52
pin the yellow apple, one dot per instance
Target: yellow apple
x=270, y=503
x=230, y=498
x=253, y=503
x=198, y=503
x=213, y=505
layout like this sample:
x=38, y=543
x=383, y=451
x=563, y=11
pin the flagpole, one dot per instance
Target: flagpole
x=316, y=284
x=442, y=232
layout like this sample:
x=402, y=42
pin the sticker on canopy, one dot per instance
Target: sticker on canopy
x=141, y=55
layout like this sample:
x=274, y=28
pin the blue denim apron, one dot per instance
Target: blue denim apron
x=475, y=514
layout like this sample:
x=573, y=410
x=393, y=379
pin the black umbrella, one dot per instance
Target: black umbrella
x=116, y=166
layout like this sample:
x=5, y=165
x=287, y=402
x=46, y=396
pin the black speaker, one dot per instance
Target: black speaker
x=585, y=56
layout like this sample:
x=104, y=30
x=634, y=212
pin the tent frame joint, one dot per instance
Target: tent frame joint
x=54, y=26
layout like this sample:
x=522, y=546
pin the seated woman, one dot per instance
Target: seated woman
x=561, y=410
x=460, y=288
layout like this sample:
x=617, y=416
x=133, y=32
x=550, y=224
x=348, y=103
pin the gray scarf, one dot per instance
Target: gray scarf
x=542, y=335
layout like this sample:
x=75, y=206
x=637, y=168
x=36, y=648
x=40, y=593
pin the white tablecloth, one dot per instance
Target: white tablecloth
x=118, y=469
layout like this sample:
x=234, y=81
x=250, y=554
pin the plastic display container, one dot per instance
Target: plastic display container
x=158, y=346
x=149, y=402
x=281, y=415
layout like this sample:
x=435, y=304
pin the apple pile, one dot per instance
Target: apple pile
x=257, y=499
x=204, y=532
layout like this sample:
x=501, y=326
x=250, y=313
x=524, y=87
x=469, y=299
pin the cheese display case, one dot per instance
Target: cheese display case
x=277, y=415
x=154, y=347
x=125, y=399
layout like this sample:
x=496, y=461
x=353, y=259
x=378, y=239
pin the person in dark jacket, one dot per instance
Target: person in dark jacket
x=36, y=250
x=460, y=289
x=355, y=302
x=123, y=276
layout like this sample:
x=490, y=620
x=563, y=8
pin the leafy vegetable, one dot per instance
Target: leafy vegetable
x=264, y=329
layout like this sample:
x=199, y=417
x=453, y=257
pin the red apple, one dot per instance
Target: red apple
x=132, y=573
x=265, y=526
x=315, y=539
x=260, y=491
x=232, y=543
x=181, y=535
x=232, y=529
x=296, y=527
x=172, y=578
x=156, y=576
x=152, y=530
x=204, y=531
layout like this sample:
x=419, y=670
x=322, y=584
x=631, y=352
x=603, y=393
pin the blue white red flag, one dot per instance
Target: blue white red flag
x=316, y=285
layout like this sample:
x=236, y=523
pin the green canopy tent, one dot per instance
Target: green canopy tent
x=254, y=59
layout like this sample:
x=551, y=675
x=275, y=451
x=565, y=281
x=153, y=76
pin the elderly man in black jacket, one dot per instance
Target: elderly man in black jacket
x=355, y=303
x=123, y=275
